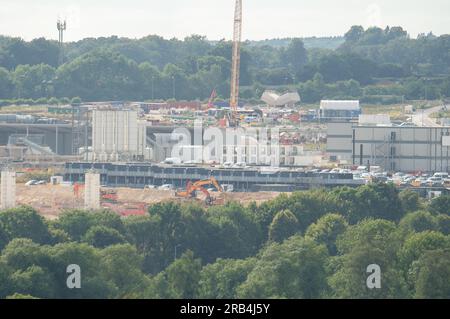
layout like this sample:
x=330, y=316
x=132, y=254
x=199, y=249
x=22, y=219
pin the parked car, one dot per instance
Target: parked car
x=165, y=187
x=31, y=182
x=435, y=181
x=441, y=175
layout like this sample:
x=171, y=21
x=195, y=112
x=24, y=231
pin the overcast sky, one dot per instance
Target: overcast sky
x=263, y=19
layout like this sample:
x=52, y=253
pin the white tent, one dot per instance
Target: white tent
x=272, y=98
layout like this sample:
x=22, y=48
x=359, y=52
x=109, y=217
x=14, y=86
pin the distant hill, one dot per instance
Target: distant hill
x=331, y=43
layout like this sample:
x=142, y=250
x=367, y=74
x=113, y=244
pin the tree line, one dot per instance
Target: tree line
x=311, y=244
x=373, y=64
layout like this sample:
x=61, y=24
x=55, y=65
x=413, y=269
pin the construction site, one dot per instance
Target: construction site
x=125, y=156
x=123, y=133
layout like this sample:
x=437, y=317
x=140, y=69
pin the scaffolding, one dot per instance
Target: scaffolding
x=383, y=154
x=80, y=129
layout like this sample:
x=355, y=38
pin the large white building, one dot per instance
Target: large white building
x=331, y=110
x=117, y=135
x=394, y=148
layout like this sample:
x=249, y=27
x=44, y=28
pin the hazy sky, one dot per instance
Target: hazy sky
x=263, y=19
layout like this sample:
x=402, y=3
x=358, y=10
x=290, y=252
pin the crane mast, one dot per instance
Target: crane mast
x=236, y=63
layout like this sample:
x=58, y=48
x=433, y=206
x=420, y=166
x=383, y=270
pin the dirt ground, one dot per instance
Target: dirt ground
x=52, y=200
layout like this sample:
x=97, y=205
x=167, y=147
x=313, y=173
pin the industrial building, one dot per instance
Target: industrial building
x=394, y=148
x=139, y=175
x=339, y=110
x=117, y=135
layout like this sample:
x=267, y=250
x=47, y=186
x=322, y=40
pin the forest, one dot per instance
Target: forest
x=374, y=65
x=312, y=244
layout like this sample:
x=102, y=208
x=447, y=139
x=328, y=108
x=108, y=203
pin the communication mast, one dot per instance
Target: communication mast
x=61, y=26
x=236, y=64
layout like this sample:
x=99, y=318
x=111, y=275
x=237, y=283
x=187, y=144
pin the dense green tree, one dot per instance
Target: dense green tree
x=34, y=81
x=433, y=275
x=24, y=222
x=307, y=207
x=410, y=200
x=440, y=205
x=22, y=253
x=371, y=242
x=3, y=238
x=354, y=34
x=417, y=244
x=284, y=225
x=419, y=222
x=374, y=200
x=100, y=75
x=94, y=281
x=5, y=280
x=301, y=274
x=6, y=84
x=221, y=279
x=183, y=276
x=376, y=233
x=109, y=219
x=108, y=67
x=240, y=252
x=123, y=266
x=145, y=233
x=235, y=230
x=334, y=68
x=33, y=281
x=102, y=236
x=349, y=278
x=326, y=230
x=444, y=224
x=75, y=223
x=295, y=55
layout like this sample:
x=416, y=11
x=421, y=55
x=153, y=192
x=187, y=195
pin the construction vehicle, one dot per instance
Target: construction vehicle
x=193, y=188
x=109, y=196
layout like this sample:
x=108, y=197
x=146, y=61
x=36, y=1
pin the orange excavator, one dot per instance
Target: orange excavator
x=193, y=188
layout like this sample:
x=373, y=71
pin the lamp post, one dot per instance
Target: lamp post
x=153, y=88
x=173, y=86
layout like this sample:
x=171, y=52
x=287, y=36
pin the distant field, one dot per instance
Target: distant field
x=23, y=109
x=443, y=114
x=396, y=111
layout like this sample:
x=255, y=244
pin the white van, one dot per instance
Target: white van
x=441, y=175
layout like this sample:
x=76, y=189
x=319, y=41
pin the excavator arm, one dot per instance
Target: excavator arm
x=191, y=189
x=210, y=181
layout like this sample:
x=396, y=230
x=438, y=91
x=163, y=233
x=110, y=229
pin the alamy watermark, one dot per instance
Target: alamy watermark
x=374, y=280
x=74, y=279
x=257, y=146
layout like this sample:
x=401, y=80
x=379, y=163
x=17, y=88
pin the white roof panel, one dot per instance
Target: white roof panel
x=274, y=99
x=340, y=105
